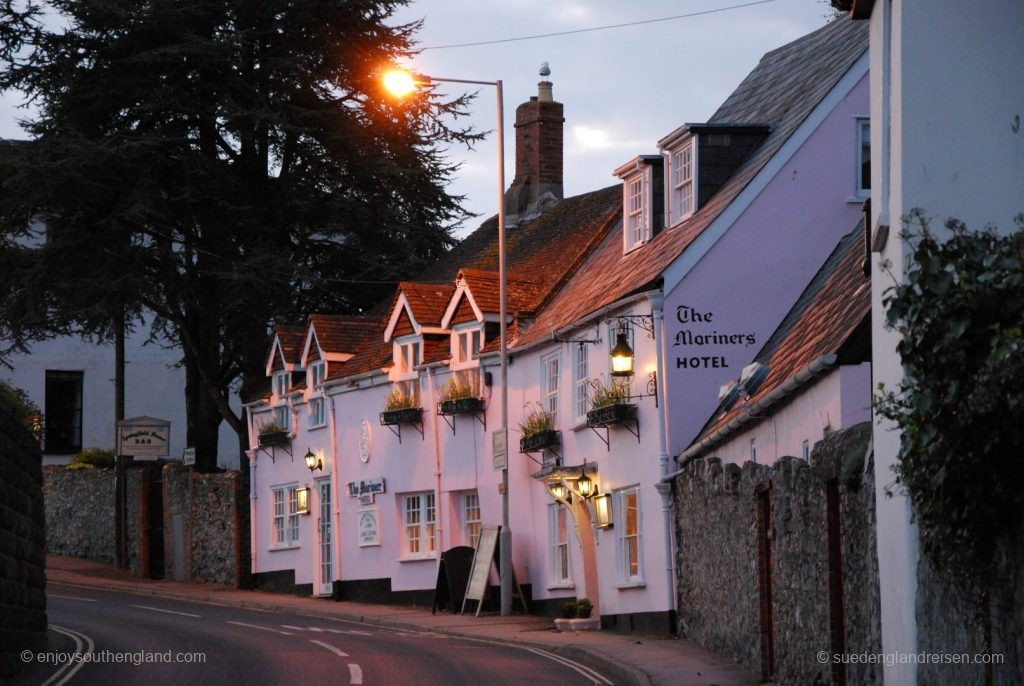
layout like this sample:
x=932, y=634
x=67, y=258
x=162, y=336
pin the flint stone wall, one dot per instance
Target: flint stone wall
x=717, y=579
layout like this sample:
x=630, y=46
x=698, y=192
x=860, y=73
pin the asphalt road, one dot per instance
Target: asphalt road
x=132, y=639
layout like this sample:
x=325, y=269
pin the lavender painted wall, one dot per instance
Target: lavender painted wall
x=721, y=313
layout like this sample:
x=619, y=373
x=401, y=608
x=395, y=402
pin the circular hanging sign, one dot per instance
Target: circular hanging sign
x=364, y=441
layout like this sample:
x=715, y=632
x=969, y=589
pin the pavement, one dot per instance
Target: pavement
x=628, y=659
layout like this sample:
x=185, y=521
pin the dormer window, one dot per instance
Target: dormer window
x=317, y=371
x=407, y=357
x=682, y=196
x=641, y=200
x=466, y=346
x=282, y=382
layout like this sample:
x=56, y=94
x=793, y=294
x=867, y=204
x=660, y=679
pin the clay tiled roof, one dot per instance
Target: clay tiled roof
x=436, y=348
x=544, y=250
x=291, y=339
x=781, y=91
x=427, y=300
x=341, y=333
x=829, y=318
x=524, y=293
x=373, y=355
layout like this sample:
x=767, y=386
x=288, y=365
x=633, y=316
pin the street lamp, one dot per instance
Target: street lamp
x=400, y=83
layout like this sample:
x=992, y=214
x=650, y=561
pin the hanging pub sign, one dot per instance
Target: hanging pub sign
x=144, y=438
x=366, y=489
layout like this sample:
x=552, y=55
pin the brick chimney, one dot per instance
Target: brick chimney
x=538, y=181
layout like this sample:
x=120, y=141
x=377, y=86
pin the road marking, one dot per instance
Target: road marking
x=71, y=597
x=64, y=674
x=330, y=648
x=170, y=612
x=293, y=628
x=263, y=628
x=355, y=673
x=571, y=664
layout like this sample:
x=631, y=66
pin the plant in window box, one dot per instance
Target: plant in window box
x=272, y=433
x=401, y=407
x=538, y=430
x=608, y=401
x=458, y=396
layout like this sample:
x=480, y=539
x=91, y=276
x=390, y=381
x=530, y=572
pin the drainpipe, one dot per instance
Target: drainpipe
x=335, y=494
x=664, y=489
x=253, y=519
x=439, y=511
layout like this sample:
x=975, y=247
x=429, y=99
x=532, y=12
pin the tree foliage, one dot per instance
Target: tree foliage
x=960, y=407
x=222, y=166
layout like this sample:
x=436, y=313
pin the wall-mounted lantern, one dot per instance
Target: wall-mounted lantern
x=302, y=500
x=585, y=486
x=622, y=356
x=558, y=491
x=313, y=462
x=603, y=510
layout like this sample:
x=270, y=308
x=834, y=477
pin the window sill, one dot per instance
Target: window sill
x=626, y=585
x=318, y=426
x=428, y=558
x=294, y=546
x=578, y=424
x=561, y=587
x=857, y=199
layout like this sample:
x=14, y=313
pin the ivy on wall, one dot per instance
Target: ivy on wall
x=960, y=406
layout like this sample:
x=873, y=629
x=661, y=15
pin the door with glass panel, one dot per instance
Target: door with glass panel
x=325, y=570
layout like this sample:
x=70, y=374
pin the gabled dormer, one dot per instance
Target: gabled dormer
x=415, y=322
x=700, y=159
x=643, y=200
x=284, y=368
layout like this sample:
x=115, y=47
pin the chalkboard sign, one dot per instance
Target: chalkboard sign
x=452, y=577
x=481, y=569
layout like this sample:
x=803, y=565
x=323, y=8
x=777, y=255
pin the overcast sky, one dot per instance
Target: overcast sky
x=623, y=88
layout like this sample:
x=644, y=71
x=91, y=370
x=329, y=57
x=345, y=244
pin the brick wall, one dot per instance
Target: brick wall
x=22, y=546
x=733, y=581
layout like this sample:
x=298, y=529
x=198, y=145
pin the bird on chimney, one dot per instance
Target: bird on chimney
x=545, y=71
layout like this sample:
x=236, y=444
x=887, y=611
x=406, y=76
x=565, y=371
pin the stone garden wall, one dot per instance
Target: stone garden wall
x=22, y=546
x=720, y=597
x=80, y=513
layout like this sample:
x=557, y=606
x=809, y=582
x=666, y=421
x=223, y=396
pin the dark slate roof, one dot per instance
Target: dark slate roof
x=781, y=91
x=827, y=317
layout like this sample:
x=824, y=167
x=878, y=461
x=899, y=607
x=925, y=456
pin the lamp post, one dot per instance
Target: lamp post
x=400, y=83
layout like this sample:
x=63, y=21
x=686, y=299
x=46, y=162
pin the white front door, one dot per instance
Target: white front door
x=325, y=571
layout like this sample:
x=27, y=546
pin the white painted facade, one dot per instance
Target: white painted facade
x=154, y=386
x=947, y=93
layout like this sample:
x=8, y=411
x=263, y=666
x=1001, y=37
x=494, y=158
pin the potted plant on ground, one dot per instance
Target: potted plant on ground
x=538, y=430
x=575, y=616
x=608, y=401
x=401, y=407
x=272, y=433
x=458, y=396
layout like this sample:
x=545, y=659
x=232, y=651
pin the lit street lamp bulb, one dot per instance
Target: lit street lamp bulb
x=399, y=82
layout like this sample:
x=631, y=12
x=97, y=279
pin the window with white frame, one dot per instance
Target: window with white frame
x=549, y=384
x=283, y=417
x=317, y=371
x=471, y=517
x=419, y=517
x=285, y=514
x=682, y=200
x=581, y=382
x=466, y=344
x=629, y=553
x=637, y=214
x=282, y=382
x=558, y=536
x=317, y=413
x=863, y=157
x=407, y=357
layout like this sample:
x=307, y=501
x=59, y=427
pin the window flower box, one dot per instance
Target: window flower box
x=404, y=415
x=274, y=437
x=538, y=441
x=610, y=414
x=461, y=405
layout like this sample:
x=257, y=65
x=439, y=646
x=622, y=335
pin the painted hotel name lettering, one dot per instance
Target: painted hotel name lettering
x=687, y=338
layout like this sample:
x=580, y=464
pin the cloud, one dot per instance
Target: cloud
x=586, y=138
